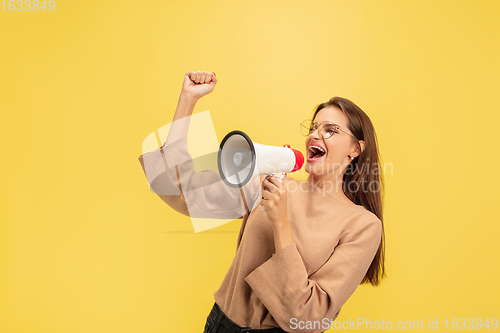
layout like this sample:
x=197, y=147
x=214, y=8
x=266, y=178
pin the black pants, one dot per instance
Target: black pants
x=217, y=322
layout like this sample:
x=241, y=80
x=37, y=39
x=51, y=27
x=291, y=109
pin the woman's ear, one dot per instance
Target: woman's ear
x=356, y=151
x=362, y=144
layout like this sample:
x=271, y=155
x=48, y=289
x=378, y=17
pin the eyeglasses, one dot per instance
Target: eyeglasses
x=326, y=128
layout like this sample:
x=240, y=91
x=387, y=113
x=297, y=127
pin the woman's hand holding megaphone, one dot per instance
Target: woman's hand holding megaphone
x=274, y=200
x=198, y=83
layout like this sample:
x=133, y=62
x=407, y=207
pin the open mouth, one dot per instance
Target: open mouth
x=314, y=153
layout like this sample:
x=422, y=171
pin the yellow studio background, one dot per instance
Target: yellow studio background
x=86, y=247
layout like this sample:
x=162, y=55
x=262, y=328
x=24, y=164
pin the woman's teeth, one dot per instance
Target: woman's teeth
x=316, y=152
x=319, y=148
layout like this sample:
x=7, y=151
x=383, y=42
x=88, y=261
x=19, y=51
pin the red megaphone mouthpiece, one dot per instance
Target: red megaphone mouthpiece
x=299, y=159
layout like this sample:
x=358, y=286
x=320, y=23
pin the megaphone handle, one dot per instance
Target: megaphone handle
x=279, y=175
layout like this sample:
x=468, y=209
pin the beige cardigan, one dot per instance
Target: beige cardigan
x=307, y=281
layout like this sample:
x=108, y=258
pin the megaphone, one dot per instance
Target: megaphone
x=239, y=159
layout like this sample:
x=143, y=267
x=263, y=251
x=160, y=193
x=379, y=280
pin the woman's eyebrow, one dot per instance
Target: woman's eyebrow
x=332, y=123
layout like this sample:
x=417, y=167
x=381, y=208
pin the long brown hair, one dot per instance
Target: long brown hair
x=368, y=172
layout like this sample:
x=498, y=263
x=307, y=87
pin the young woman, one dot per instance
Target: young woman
x=304, y=252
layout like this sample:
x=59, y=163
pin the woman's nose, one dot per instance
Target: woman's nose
x=315, y=134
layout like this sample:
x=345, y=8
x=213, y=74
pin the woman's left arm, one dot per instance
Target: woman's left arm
x=291, y=296
x=274, y=202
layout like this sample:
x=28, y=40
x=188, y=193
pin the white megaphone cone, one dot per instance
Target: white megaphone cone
x=239, y=159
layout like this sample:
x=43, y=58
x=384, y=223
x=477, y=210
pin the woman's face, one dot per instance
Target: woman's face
x=337, y=148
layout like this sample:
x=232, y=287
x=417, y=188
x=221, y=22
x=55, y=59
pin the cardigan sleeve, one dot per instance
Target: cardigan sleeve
x=284, y=287
x=171, y=175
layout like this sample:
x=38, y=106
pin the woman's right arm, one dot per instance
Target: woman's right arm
x=170, y=170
